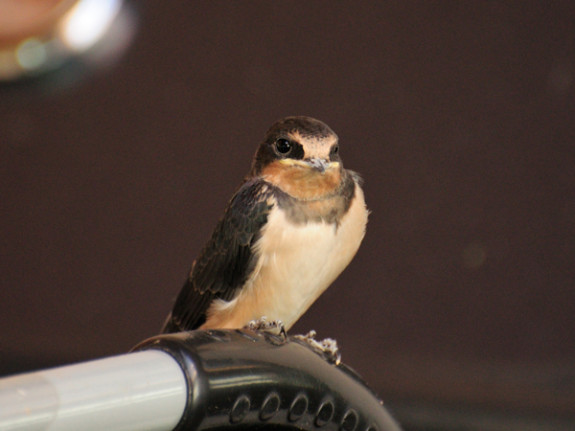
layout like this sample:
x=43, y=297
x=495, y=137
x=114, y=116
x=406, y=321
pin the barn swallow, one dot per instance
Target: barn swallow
x=291, y=228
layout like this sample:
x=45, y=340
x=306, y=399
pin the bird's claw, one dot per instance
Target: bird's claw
x=263, y=324
x=327, y=347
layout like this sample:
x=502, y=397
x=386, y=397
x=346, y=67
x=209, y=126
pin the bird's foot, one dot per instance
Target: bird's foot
x=327, y=347
x=263, y=324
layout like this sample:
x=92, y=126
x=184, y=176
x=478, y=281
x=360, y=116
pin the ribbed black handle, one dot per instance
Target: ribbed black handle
x=243, y=378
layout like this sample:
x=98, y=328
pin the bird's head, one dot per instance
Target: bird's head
x=299, y=142
x=301, y=156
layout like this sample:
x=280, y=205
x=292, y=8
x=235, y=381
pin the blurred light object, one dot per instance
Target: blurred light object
x=38, y=37
x=87, y=22
x=31, y=54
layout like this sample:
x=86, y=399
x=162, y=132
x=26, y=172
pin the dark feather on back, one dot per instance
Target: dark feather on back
x=227, y=260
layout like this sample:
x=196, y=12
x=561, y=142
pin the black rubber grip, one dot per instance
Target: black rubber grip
x=242, y=378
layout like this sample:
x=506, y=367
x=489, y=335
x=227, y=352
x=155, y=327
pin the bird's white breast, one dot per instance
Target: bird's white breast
x=297, y=263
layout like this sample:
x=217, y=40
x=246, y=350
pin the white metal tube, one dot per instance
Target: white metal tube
x=136, y=391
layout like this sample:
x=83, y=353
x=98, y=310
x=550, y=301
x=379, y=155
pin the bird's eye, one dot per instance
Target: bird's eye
x=283, y=146
x=334, y=150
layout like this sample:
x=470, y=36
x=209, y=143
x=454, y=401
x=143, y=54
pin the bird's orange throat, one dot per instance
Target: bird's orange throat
x=302, y=182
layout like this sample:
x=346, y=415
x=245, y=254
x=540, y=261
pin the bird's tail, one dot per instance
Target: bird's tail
x=169, y=325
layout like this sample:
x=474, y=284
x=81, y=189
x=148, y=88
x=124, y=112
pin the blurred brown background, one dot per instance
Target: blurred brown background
x=459, y=309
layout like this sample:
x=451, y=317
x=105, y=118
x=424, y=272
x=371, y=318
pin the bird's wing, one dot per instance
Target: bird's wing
x=227, y=260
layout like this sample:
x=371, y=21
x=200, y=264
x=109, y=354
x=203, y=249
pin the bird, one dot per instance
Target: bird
x=294, y=224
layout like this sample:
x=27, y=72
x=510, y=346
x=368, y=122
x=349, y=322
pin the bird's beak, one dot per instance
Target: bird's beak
x=318, y=164
x=315, y=163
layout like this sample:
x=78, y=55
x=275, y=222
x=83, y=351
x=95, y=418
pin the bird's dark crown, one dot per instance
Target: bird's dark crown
x=305, y=126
